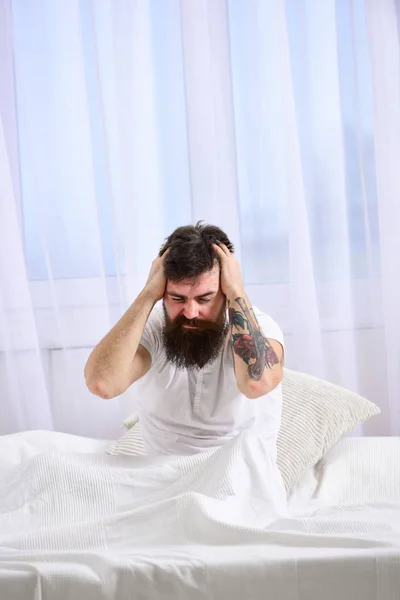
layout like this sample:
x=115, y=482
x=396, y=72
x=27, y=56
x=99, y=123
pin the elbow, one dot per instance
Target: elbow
x=95, y=383
x=99, y=388
x=255, y=389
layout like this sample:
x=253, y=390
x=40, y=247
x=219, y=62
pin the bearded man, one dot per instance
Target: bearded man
x=211, y=363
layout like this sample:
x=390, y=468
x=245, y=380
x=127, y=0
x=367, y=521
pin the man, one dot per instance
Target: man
x=213, y=362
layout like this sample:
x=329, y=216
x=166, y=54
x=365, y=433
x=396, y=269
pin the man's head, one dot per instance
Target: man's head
x=194, y=305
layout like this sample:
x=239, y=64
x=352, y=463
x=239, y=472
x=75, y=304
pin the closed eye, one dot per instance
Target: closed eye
x=200, y=300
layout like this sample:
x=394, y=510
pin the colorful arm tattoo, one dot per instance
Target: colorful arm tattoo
x=251, y=346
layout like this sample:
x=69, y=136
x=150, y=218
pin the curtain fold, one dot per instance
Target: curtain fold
x=277, y=120
x=384, y=51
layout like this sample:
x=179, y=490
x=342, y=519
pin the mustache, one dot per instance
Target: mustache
x=200, y=324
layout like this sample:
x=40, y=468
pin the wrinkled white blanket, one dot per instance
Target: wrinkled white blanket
x=214, y=525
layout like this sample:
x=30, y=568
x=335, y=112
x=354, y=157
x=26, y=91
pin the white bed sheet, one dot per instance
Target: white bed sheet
x=18, y=447
x=90, y=525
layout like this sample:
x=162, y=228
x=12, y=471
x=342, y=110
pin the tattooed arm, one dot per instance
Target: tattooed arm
x=258, y=360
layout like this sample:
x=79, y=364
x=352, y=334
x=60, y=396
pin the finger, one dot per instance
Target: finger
x=224, y=248
x=218, y=250
x=165, y=254
x=164, y=250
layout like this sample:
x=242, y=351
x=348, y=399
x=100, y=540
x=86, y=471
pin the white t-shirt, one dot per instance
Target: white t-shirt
x=187, y=411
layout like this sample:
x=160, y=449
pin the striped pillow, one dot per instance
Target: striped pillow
x=315, y=415
x=131, y=442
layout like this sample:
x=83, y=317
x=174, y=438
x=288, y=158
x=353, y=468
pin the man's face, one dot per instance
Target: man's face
x=195, y=320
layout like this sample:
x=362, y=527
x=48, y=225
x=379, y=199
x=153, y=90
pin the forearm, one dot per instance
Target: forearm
x=257, y=365
x=110, y=364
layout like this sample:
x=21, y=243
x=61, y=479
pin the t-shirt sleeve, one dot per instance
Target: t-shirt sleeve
x=269, y=327
x=151, y=336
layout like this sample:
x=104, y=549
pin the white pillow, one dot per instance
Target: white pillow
x=360, y=471
x=316, y=414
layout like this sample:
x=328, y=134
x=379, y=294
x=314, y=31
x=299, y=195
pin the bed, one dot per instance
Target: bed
x=77, y=523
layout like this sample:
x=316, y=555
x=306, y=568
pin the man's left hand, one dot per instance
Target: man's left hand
x=231, y=274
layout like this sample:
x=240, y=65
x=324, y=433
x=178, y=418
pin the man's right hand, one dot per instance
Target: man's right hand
x=119, y=359
x=156, y=280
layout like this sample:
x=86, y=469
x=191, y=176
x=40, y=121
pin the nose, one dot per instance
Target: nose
x=191, y=310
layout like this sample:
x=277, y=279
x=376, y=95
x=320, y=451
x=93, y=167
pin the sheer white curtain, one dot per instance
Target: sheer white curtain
x=120, y=120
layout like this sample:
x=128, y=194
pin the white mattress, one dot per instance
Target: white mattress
x=76, y=523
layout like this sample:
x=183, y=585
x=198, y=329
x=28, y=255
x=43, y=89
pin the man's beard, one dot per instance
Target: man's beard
x=193, y=348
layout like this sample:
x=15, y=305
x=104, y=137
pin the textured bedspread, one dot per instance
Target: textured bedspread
x=214, y=525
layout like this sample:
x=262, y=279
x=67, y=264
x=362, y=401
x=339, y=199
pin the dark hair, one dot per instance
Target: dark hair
x=190, y=252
